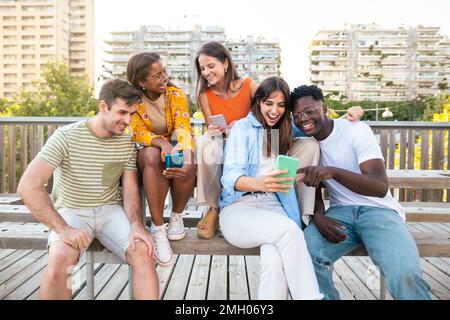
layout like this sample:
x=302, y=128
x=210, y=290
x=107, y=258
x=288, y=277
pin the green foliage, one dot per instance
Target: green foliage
x=402, y=111
x=434, y=105
x=58, y=93
x=3, y=106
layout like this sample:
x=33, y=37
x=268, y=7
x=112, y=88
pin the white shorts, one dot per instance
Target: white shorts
x=109, y=224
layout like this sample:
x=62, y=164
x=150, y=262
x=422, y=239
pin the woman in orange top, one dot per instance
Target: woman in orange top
x=162, y=112
x=220, y=90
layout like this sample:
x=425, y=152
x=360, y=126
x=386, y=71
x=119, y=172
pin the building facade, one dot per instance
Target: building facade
x=34, y=32
x=257, y=58
x=82, y=39
x=368, y=62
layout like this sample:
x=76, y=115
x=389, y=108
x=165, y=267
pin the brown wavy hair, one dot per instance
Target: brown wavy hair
x=220, y=52
x=284, y=125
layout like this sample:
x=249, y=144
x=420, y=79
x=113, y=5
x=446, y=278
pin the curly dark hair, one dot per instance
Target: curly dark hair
x=306, y=91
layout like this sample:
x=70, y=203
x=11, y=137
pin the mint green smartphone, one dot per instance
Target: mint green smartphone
x=289, y=163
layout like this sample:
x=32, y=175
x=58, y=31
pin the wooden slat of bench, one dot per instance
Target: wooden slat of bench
x=418, y=179
x=20, y=213
x=415, y=211
x=21, y=237
x=428, y=214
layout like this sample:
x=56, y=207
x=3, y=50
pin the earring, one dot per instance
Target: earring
x=143, y=89
x=226, y=70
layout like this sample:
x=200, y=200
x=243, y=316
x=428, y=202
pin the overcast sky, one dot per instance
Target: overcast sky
x=293, y=22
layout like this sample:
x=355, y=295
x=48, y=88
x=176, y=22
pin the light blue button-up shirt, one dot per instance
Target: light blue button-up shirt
x=241, y=158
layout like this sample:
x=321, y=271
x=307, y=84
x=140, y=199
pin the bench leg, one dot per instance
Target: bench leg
x=382, y=287
x=130, y=284
x=90, y=275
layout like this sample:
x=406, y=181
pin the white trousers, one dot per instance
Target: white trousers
x=285, y=264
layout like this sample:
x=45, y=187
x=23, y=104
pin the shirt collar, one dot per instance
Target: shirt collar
x=253, y=120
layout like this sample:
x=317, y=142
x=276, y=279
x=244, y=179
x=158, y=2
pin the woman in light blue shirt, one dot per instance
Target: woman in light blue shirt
x=257, y=209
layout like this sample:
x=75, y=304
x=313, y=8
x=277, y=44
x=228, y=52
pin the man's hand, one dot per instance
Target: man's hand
x=354, y=114
x=329, y=228
x=313, y=175
x=139, y=233
x=76, y=238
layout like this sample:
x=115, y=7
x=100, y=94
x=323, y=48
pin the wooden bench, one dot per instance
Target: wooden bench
x=16, y=236
x=23, y=236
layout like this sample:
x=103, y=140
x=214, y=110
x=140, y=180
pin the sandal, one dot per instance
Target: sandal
x=209, y=224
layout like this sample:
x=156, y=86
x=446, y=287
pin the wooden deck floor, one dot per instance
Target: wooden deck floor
x=208, y=277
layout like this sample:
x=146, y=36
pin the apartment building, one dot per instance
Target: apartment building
x=35, y=31
x=257, y=58
x=359, y=62
x=81, y=39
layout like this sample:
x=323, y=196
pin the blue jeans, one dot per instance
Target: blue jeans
x=388, y=242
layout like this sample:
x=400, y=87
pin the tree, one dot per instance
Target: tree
x=58, y=93
x=3, y=106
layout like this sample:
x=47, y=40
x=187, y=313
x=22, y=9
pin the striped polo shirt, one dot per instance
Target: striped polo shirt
x=87, y=168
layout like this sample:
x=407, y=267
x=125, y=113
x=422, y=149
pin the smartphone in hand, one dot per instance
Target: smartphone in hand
x=174, y=160
x=219, y=120
x=287, y=163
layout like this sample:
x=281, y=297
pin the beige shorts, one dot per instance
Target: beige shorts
x=109, y=224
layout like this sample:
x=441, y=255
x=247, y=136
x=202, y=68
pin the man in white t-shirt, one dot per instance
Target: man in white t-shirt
x=362, y=209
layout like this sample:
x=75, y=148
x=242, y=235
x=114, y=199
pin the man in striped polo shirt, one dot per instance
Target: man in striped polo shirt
x=88, y=159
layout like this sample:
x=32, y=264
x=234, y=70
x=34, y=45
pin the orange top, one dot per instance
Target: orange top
x=233, y=109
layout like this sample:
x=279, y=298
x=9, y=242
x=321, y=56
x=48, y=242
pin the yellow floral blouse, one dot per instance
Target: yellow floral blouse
x=177, y=117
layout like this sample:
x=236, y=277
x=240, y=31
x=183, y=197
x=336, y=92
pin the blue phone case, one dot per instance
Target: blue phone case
x=174, y=160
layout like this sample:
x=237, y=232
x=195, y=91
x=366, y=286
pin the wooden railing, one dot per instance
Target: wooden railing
x=22, y=137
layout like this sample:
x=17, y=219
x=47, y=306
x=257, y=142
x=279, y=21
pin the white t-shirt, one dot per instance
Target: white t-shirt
x=349, y=145
x=265, y=164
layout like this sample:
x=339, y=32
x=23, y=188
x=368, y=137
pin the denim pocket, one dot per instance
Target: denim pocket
x=111, y=173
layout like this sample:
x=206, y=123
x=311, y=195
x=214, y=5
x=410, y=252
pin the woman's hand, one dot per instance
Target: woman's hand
x=214, y=130
x=166, y=148
x=188, y=160
x=271, y=183
x=171, y=173
x=231, y=124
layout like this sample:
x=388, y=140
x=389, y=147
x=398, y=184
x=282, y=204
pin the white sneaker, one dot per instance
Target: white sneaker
x=176, y=227
x=164, y=254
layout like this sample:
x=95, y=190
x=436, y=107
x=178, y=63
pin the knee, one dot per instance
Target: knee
x=151, y=156
x=304, y=146
x=139, y=256
x=60, y=264
x=405, y=273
